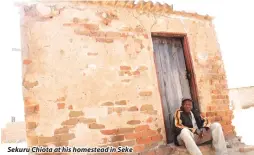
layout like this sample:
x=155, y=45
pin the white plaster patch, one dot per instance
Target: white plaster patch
x=104, y=15
x=95, y=112
x=43, y=10
x=47, y=125
x=203, y=56
x=92, y=66
x=90, y=137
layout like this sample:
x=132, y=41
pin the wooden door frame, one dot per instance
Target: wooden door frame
x=188, y=61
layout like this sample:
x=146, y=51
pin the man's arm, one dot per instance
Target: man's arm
x=178, y=123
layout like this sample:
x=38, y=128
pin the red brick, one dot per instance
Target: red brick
x=223, y=107
x=107, y=104
x=61, y=105
x=142, y=68
x=31, y=125
x=211, y=108
x=125, y=130
x=121, y=73
x=113, y=34
x=66, y=137
x=109, y=132
x=61, y=130
x=133, y=108
x=134, y=122
x=69, y=24
x=151, y=153
x=151, y=146
x=44, y=140
x=91, y=26
x=72, y=121
x=76, y=114
x=220, y=113
x=210, y=114
x=139, y=29
x=28, y=101
x=227, y=118
x=97, y=34
x=157, y=138
x=92, y=54
x=149, y=120
x=228, y=128
x=148, y=133
x=125, y=68
x=119, y=109
x=121, y=102
x=66, y=143
x=75, y=20
x=32, y=109
x=145, y=93
x=141, y=128
x=127, y=143
x=86, y=120
x=139, y=148
x=147, y=140
x=159, y=130
x=29, y=85
x=96, y=126
x=104, y=40
x=218, y=118
x=82, y=32
x=128, y=73
x=70, y=107
x=116, y=138
x=147, y=107
x=146, y=36
x=136, y=73
x=133, y=135
x=32, y=140
x=27, y=62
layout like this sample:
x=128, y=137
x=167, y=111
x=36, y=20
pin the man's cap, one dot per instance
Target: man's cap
x=186, y=99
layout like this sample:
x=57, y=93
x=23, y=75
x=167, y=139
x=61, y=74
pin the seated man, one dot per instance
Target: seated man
x=192, y=129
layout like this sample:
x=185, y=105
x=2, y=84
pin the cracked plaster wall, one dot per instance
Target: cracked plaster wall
x=89, y=74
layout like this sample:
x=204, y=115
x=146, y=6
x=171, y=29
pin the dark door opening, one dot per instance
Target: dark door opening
x=173, y=77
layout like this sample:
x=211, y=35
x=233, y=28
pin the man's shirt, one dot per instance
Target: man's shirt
x=185, y=120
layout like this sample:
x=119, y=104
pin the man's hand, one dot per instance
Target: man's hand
x=201, y=133
x=207, y=128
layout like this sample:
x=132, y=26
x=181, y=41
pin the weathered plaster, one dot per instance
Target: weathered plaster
x=90, y=69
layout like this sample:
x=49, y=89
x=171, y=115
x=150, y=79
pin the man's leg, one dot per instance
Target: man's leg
x=219, y=142
x=187, y=137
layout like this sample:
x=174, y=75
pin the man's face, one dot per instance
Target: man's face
x=187, y=106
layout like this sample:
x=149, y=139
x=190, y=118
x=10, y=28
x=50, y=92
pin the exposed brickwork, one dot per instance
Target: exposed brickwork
x=99, y=79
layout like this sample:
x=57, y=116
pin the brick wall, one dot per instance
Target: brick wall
x=241, y=97
x=90, y=79
x=13, y=132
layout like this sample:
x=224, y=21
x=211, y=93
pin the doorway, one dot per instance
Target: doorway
x=174, y=77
